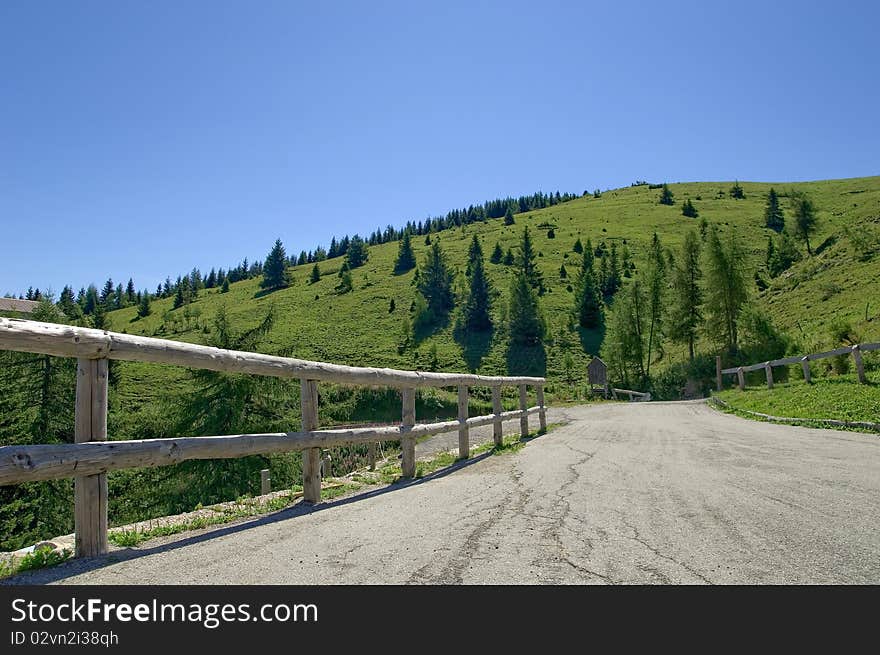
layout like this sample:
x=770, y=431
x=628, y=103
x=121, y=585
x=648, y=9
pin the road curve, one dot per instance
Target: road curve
x=623, y=493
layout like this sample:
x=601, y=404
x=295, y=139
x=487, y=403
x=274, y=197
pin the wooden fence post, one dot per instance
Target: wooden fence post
x=265, y=482
x=90, y=491
x=371, y=454
x=408, y=444
x=464, y=447
x=542, y=413
x=805, y=365
x=523, y=406
x=769, y=371
x=311, y=457
x=718, y=384
x=497, y=431
x=860, y=366
x=741, y=378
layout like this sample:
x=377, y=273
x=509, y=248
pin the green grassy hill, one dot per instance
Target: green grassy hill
x=314, y=322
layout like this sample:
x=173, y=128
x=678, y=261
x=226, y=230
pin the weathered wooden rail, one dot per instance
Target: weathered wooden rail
x=804, y=360
x=92, y=456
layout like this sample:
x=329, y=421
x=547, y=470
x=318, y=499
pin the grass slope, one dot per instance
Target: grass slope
x=841, y=398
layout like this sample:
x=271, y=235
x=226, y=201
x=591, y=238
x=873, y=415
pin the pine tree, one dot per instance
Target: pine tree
x=107, y=294
x=315, y=274
x=563, y=273
x=406, y=259
x=144, y=309
x=130, y=293
x=578, y=246
x=726, y=287
x=737, y=192
x=774, y=218
x=497, y=254
x=479, y=298
x=804, y=219
x=179, y=298
x=68, y=305
x=345, y=282
x=588, y=301
x=527, y=262
x=655, y=288
x=508, y=217
x=275, y=275
x=303, y=258
x=509, y=259
x=613, y=278
x=225, y=287
x=435, y=283
x=666, y=196
x=356, y=254
x=527, y=325
x=685, y=315
x=688, y=209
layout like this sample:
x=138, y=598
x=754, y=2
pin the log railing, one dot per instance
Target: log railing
x=92, y=456
x=804, y=360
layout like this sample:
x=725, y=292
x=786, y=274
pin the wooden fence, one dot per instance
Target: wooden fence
x=92, y=456
x=804, y=360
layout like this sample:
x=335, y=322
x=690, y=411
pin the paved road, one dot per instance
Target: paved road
x=624, y=493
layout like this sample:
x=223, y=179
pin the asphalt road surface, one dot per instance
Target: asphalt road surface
x=622, y=493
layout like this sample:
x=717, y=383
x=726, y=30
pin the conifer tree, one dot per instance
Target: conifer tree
x=774, y=217
x=130, y=293
x=666, y=196
x=315, y=274
x=588, y=300
x=275, y=274
x=406, y=259
x=356, y=253
x=509, y=259
x=578, y=246
x=508, y=217
x=655, y=288
x=527, y=262
x=685, y=315
x=435, y=282
x=804, y=219
x=737, y=192
x=144, y=309
x=225, y=287
x=345, y=281
x=526, y=323
x=688, y=209
x=726, y=287
x=479, y=298
x=497, y=254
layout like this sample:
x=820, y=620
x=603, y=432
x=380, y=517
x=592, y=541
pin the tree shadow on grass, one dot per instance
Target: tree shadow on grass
x=422, y=331
x=526, y=360
x=474, y=346
x=591, y=339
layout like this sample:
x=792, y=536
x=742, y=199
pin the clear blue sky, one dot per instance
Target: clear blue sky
x=142, y=139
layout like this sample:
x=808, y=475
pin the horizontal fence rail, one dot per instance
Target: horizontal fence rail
x=67, y=341
x=92, y=456
x=804, y=360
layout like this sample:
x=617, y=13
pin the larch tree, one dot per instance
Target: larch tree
x=685, y=313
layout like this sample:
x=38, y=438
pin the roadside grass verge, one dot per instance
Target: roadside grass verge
x=839, y=398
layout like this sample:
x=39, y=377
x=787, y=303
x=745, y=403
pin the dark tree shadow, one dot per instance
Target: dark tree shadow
x=425, y=330
x=526, y=360
x=474, y=346
x=262, y=293
x=592, y=338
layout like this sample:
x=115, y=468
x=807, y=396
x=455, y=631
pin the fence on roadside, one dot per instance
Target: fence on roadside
x=804, y=360
x=92, y=456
